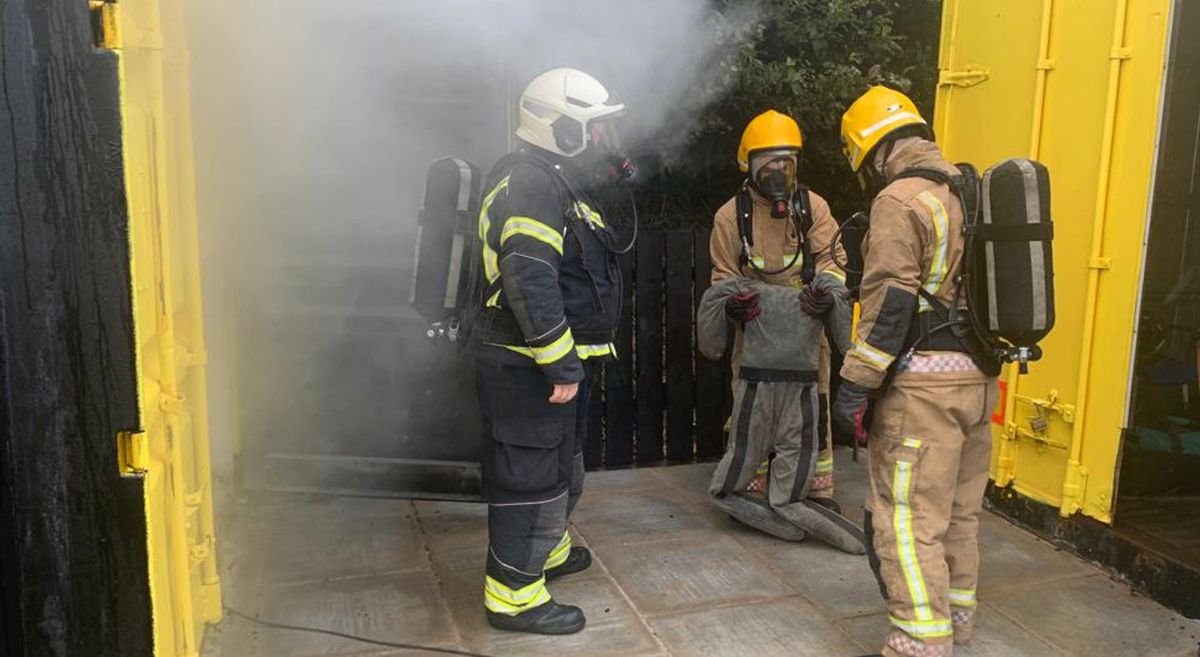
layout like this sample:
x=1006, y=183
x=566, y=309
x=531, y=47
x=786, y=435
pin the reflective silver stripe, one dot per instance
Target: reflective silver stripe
x=464, y=185
x=895, y=118
x=1037, y=260
x=990, y=255
x=456, y=252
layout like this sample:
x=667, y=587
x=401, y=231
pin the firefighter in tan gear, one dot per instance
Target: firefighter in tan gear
x=770, y=243
x=928, y=435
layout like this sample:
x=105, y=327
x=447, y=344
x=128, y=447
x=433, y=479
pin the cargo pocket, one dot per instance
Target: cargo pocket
x=527, y=456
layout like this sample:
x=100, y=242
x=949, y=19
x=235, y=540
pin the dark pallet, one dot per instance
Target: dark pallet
x=660, y=401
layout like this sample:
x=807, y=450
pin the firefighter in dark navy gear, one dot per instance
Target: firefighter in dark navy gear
x=550, y=304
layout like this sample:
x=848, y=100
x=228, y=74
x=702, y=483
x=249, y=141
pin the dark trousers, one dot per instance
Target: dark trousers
x=532, y=457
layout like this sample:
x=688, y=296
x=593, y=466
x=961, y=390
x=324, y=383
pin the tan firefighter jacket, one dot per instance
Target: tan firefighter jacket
x=915, y=240
x=775, y=242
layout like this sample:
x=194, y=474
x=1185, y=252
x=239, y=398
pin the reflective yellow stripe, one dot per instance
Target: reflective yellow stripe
x=939, y=266
x=555, y=350
x=763, y=468
x=912, y=442
x=836, y=274
x=906, y=547
x=759, y=262
x=824, y=466
x=879, y=359
x=504, y=600
x=787, y=257
x=558, y=556
x=586, y=351
x=491, y=261
x=928, y=629
x=963, y=597
x=589, y=215
x=530, y=227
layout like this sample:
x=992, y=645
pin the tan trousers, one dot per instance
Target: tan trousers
x=930, y=446
x=822, y=482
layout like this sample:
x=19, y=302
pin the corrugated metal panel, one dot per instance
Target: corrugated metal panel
x=172, y=449
x=1076, y=84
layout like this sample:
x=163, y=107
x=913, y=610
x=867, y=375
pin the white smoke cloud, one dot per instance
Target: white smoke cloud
x=314, y=123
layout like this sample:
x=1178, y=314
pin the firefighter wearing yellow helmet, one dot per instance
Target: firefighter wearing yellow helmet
x=777, y=231
x=929, y=438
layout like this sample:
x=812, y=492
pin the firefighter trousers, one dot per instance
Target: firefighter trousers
x=775, y=430
x=930, y=446
x=532, y=461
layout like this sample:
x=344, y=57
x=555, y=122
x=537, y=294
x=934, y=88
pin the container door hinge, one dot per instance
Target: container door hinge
x=1073, y=487
x=1100, y=262
x=133, y=452
x=969, y=77
x=106, y=28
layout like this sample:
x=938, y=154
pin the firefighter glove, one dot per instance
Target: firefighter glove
x=815, y=301
x=850, y=409
x=743, y=307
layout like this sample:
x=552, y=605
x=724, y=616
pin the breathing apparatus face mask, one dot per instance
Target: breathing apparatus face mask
x=773, y=174
x=603, y=158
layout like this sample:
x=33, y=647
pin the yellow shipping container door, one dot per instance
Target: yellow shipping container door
x=171, y=450
x=1077, y=85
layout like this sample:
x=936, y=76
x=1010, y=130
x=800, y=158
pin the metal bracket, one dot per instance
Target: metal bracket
x=133, y=452
x=1121, y=53
x=1047, y=65
x=1100, y=262
x=170, y=404
x=968, y=77
x=1040, y=422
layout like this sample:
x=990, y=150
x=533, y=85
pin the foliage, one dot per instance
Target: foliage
x=808, y=59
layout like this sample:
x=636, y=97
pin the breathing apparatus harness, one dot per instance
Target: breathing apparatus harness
x=798, y=208
x=479, y=290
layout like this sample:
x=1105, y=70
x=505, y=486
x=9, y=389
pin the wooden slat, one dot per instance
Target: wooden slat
x=712, y=377
x=618, y=381
x=681, y=397
x=649, y=345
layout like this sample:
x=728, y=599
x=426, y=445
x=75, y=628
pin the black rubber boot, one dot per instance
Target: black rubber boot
x=550, y=618
x=579, y=559
x=828, y=503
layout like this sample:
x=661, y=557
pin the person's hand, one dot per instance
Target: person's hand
x=743, y=307
x=563, y=392
x=815, y=301
x=850, y=409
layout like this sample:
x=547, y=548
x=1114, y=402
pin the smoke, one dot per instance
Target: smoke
x=314, y=123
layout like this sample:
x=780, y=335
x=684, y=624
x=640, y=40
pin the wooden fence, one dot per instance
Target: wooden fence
x=660, y=400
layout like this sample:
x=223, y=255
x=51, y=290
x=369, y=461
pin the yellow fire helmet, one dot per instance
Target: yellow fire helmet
x=769, y=130
x=872, y=117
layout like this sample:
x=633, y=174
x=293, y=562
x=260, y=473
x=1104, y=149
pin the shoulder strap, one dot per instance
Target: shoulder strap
x=804, y=223
x=745, y=215
x=927, y=173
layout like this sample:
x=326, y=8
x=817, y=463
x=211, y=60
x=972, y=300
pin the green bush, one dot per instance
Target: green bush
x=808, y=59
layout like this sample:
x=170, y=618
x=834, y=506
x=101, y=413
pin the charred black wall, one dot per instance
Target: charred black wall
x=72, y=532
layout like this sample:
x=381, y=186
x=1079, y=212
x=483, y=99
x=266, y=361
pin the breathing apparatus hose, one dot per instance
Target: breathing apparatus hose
x=744, y=228
x=837, y=238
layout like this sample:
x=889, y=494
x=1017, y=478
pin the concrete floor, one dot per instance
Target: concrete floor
x=673, y=576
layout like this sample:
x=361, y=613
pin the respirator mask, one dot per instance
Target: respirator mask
x=773, y=175
x=603, y=158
